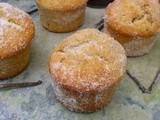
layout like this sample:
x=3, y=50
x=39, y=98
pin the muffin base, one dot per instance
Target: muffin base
x=61, y=21
x=134, y=46
x=83, y=102
x=14, y=65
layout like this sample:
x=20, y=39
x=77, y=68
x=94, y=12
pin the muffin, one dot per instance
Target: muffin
x=133, y=23
x=86, y=69
x=61, y=15
x=16, y=33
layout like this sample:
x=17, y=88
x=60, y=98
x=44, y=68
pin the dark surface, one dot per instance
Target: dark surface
x=98, y=3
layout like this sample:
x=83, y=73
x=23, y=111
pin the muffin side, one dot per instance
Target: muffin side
x=14, y=65
x=134, y=46
x=62, y=20
x=82, y=102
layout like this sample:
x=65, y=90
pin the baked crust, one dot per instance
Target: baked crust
x=87, y=63
x=62, y=5
x=133, y=17
x=16, y=30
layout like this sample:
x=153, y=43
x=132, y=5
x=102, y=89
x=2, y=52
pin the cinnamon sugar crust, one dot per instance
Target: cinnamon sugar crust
x=16, y=30
x=87, y=61
x=133, y=17
x=62, y=5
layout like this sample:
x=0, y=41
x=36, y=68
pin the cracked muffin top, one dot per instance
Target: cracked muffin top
x=89, y=60
x=62, y=5
x=133, y=17
x=16, y=30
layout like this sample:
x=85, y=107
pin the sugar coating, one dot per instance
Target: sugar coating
x=62, y=5
x=61, y=96
x=73, y=102
x=4, y=23
x=133, y=17
x=88, y=60
x=14, y=29
x=86, y=67
x=63, y=19
x=137, y=47
x=134, y=46
x=133, y=23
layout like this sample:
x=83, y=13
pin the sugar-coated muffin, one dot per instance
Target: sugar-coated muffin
x=86, y=69
x=133, y=23
x=62, y=15
x=16, y=33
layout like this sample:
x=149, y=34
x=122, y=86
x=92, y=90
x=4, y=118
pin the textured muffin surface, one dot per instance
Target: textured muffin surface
x=87, y=61
x=133, y=17
x=62, y=5
x=16, y=30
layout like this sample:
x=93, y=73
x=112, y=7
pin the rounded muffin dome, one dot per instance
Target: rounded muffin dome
x=16, y=30
x=62, y=5
x=133, y=17
x=88, y=61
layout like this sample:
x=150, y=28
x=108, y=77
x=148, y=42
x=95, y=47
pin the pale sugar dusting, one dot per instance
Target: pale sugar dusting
x=94, y=85
x=99, y=97
x=61, y=18
x=106, y=67
x=13, y=26
x=2, y=42
x=138, y=47
x=56, y=66
x=10, y=10
x=61, y=95
x=4, y=23
x=82, y=47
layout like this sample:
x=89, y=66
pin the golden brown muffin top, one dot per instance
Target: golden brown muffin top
x=89, y=60
x=62, y=5
x=16, y=30
x=134, y=17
